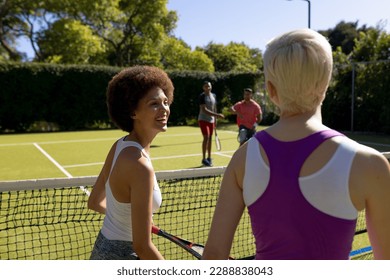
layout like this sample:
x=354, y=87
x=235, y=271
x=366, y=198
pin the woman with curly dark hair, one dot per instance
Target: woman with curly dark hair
x=126, y=190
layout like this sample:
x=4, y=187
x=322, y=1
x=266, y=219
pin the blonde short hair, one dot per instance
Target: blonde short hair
x=299, y=64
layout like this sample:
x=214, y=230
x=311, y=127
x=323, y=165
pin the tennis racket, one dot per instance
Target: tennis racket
x=194, y=249
x=217, y=141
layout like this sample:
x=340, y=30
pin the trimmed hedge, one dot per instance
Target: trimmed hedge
x=73, y=97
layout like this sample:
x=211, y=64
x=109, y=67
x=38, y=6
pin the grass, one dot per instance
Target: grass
x=83, y=153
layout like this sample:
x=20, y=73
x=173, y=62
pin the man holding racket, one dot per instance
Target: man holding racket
x=207, y=120
x=249, y=114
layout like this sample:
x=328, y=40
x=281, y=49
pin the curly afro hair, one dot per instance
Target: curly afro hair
x=128, y=87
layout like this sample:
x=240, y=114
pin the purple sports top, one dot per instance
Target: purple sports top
x=285, y=225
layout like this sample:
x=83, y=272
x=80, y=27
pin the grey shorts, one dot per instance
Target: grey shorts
x=105, y=249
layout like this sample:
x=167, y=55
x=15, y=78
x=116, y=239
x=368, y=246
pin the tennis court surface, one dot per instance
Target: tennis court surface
x=72, y=154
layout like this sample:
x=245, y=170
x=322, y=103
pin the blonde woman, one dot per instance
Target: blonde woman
x=302, y=182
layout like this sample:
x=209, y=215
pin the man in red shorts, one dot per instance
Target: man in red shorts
x=206, y=120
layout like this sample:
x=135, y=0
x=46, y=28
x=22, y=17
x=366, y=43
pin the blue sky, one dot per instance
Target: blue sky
x=255, y=22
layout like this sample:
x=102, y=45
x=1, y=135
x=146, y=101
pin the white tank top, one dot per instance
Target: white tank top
x=117, y=224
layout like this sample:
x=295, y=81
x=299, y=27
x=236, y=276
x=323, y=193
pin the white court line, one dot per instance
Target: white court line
x=193, y=155
x=53, y=161
x=63, y=170
x=59, y=142
x=156, y=158
x=86, y=140
x=83, y=164
x=223, y=155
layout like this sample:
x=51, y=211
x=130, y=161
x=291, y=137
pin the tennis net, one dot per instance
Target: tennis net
x=48, y=219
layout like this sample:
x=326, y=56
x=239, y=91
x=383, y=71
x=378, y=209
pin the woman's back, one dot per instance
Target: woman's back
x=294, y=216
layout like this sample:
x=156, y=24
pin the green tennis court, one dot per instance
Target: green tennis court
x=72, y=154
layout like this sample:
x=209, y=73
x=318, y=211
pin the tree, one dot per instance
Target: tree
x=233, y=57
x=372, y=45
x=130, y=28
x=363, y=72
x=69, y=41
x=25, y=19
x=12, y=25
x=372, y=59
x=344, y=35
x=176, y=55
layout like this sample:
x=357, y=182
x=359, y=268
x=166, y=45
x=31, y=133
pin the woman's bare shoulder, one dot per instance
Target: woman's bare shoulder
x=370, y=174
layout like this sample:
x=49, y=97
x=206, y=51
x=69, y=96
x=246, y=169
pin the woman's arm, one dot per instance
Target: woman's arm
x=142, y=184
x=370, y=190
x=228, y=211
x=97, y=198
x=378, y=206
